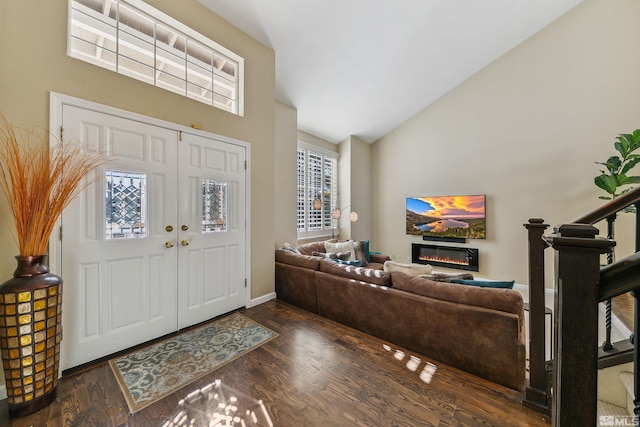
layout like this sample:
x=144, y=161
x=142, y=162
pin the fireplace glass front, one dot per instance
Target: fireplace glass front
x=445, y=256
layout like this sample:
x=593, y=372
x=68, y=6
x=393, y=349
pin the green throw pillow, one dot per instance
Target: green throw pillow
x=485, y=283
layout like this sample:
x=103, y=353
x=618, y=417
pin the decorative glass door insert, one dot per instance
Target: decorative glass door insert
x=214, y=206
x=125, y=201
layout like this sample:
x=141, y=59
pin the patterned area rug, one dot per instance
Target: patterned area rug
x=149, y=374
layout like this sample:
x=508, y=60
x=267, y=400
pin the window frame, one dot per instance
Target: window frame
x=191, y=36
x=307, y=191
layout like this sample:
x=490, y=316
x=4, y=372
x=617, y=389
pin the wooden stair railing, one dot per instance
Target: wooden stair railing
x=580, y=285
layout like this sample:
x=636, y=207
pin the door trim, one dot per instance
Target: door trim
x=56, y=103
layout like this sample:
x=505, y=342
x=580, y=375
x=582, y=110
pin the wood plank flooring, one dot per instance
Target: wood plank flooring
x=623, y=307
x=316, y=373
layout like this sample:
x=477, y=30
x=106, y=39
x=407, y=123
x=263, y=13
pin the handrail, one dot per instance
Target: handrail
x=608, y=209
x=620, y=277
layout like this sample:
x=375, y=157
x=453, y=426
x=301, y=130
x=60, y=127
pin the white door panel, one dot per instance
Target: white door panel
x=119, y=292
x=211, y=262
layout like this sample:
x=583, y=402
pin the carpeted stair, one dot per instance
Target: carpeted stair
x=607, y=410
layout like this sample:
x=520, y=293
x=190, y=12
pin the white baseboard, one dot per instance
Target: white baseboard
x=261, y=300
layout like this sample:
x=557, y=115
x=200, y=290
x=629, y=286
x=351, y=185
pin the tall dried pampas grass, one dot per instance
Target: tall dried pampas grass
x=39, y=182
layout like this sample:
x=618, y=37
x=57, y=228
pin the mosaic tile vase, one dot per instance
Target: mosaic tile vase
x=30, y=334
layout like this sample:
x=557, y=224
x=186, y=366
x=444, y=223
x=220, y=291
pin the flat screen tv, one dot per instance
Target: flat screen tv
x=460, y=217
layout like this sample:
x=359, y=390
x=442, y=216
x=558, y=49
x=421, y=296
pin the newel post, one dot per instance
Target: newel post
x=575, y=363
x=535, y=393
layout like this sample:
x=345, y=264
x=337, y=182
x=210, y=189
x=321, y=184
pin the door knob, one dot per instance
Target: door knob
x=185, y=243
x=184, y=227
x=169, y=244
x=169, y=228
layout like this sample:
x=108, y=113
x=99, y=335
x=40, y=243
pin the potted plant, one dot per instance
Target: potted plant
x=38, y=183
x=616, y=175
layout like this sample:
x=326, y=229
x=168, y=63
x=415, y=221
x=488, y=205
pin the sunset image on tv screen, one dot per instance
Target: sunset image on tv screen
x=447, y=216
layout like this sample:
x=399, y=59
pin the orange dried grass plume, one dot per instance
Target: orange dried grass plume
x=40, y=182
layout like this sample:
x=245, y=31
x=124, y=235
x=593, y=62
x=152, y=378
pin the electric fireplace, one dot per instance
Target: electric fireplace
x=445, y=256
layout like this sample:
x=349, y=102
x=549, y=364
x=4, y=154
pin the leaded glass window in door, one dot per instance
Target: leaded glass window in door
x=125, y=201
x=214, y=206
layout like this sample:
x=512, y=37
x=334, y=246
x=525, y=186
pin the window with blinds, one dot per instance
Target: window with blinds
x=317, y=185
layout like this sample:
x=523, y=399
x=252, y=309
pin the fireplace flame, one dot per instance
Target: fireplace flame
x=444, y=260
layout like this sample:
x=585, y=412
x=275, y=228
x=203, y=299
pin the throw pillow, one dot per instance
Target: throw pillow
x=290, y=248
x=341, y=247
x=447, y=277
x=367, y=253
x=356, y=263
x=410, y=269
x=361, y=252
x=333, y=255
x=486, y=283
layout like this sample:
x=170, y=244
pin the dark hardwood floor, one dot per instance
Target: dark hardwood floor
x=316, y=373
x=623, y=307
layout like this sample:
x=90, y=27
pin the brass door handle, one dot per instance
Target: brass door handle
x=185, y=243
x=169, y=244
x=184, y=227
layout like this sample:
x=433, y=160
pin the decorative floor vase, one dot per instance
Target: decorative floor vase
x=30, y=333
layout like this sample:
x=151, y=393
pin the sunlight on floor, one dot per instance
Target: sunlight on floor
x=413, y=364
x=215, y=406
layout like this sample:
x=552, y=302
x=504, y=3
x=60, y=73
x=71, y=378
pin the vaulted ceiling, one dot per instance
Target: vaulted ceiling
x=363, y=67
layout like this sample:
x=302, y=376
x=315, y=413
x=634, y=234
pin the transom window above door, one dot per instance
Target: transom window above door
x=134, y=39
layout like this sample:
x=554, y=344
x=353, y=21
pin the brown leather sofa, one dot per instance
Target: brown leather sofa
x=478, y=330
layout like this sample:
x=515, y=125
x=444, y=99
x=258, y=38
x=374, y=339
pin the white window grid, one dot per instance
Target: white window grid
x=317, y=178
x=151, y=47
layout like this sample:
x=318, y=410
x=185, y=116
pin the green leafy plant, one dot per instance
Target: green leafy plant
x=616, y=175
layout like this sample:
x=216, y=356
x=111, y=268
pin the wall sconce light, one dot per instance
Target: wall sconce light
x=336, y=213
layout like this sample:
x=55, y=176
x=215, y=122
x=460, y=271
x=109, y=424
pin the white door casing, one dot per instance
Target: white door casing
x=122, y=292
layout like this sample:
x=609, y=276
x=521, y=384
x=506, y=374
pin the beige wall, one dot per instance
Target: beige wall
x=285, y=196
x=34, y=62
x=355, y=188
x=318, y=142
x=525, y=131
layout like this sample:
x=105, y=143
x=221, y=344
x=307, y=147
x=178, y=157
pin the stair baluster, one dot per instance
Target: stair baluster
x=606, y=345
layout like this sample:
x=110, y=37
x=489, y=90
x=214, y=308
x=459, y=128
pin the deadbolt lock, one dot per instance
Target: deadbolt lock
x=169, y=228
x=184, y=227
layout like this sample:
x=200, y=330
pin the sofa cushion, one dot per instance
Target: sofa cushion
x=310, y=248
x=410, y=269
x=506, y=300
x=361, y=274
x=333, y=255
x=304, y=261
x=485, y=283
x=341, y=247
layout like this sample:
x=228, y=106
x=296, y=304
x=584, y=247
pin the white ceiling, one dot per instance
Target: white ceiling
x=363, y=67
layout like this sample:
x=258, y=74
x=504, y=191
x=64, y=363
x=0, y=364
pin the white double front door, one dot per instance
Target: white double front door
x=156, y=242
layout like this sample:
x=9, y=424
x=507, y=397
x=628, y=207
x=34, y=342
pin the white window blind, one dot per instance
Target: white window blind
x=317, y=178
